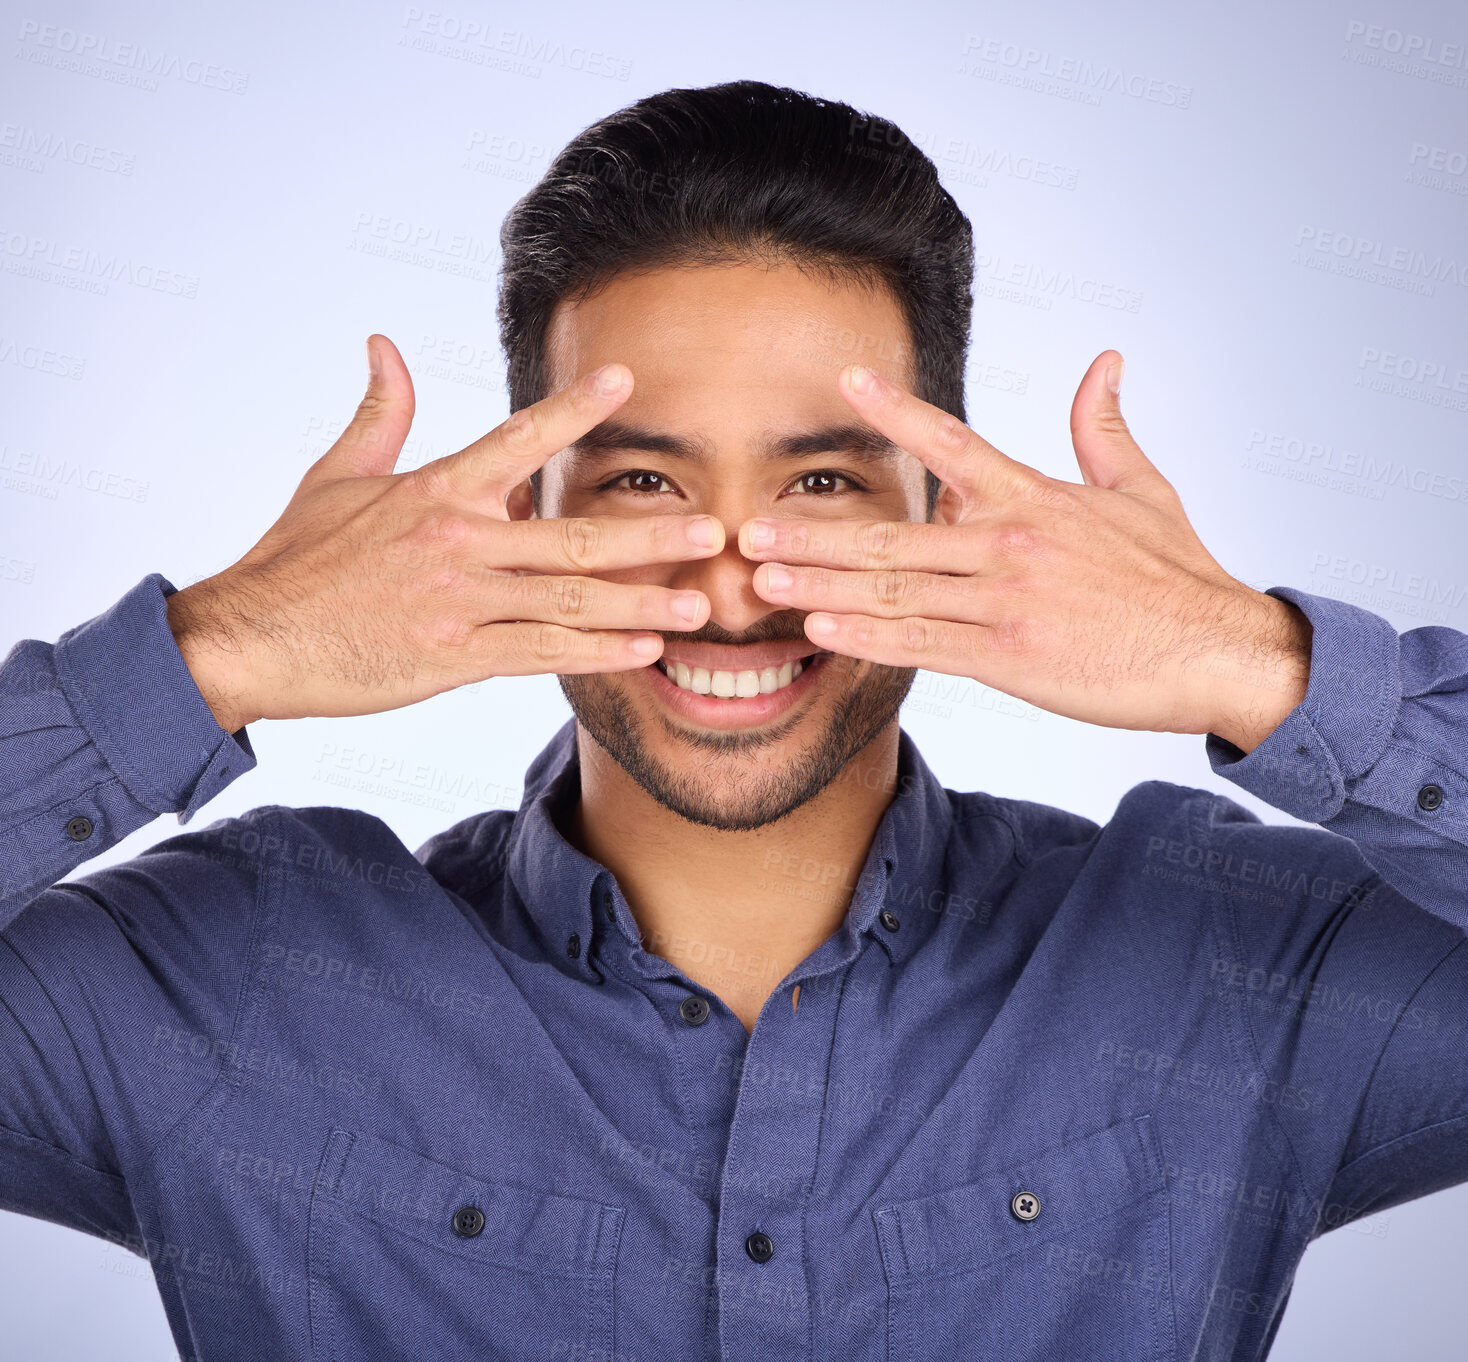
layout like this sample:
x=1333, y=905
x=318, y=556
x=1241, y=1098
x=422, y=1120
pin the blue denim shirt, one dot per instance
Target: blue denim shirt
x=1053, y=1090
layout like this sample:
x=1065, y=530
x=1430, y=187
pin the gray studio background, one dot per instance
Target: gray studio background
x=204, y=210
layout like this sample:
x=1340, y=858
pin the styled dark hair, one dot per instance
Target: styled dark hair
x=741, y=171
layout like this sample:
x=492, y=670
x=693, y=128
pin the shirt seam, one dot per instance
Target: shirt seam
x=151, y=1151
x=1018, y=845
x=40, y=984
x=1233, y=935
x=1434, y=759
x=1366, y=1088
x=65, y=1154
x=89, y=792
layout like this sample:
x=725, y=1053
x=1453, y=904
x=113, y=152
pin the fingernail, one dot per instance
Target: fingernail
x=373, y=366
x=1113, y=376
x=701, y=531
x=609, y=379
x=861, y=378
x=777, y=578
x=687, y=606
x=647, y=645
x=761, y=534
x=820, y=624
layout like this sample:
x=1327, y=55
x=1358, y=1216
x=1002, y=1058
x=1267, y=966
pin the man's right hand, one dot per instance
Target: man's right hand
x=377, y=589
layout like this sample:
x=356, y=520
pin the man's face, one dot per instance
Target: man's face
x=731, y=364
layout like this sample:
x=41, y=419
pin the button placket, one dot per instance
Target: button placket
x=769, y=1169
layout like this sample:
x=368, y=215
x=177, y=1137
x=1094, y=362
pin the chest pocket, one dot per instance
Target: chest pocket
x=1065, y=1255
x=412, y=1259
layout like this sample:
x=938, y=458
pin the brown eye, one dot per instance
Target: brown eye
x=823, y=478
x=640, y=476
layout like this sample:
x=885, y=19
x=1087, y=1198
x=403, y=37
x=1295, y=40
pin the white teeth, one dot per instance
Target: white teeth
x=732, y=685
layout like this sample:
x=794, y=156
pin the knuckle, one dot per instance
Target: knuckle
x=1009, y=587
x=443, y=583
x=449, y=527
x=452, y=630
x=891, y=588
x=947, y=431
x=1014, y=540
x=581, y=541
x=571, y=597
x=1010, y=636
x=520, y=430
x=1048, y=494
x=431, y=481
x=436, y=528
x=878, y=542
x=917, y=634
x=548, y=643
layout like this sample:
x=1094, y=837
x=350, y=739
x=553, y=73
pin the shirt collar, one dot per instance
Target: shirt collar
x=569, y=896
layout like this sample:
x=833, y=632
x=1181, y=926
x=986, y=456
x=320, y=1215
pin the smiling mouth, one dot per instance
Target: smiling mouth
x=738, y=685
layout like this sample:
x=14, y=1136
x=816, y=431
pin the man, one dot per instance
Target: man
x=743, y=1037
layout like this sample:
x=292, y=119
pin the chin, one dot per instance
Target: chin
x=686, y=768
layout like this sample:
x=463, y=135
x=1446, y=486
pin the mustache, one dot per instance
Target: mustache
x=779, y=631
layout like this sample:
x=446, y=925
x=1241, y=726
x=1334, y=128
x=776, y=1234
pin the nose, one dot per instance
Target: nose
x=727, y=579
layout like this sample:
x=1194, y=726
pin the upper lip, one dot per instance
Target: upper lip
x=747, y=657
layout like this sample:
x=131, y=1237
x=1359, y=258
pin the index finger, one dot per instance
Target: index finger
x=958, y=455
x=496, y=463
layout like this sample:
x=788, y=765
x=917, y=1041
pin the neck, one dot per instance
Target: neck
x=735, y=911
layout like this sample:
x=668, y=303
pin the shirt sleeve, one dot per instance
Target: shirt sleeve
x=1376, y=751
x=117, y=989
x=101, y=733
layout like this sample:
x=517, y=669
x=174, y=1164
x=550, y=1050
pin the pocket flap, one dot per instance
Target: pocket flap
x=971, y=1225
x=403, y=1191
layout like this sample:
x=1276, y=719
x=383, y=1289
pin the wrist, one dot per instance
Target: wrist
x=1264, y=677
x=213, y=656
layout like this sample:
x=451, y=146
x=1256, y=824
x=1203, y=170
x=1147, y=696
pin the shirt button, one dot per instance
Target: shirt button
x=1024, y=1206
x=79, y=828
x=1429, y=797
x=468, y=1221
x=760, y=1247
x=695, y=1010
x=889, y=919
x=573, y=946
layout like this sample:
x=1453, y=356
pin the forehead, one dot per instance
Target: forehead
x=700, y=334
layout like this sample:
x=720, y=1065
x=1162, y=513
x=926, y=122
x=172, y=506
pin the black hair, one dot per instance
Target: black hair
x=732, y=172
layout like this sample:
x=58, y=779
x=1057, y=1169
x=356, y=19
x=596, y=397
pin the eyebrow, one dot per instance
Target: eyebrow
x=612, y=437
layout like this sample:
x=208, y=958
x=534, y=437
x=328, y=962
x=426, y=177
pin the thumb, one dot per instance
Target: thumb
x=1105, y=450
x=374, y=438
